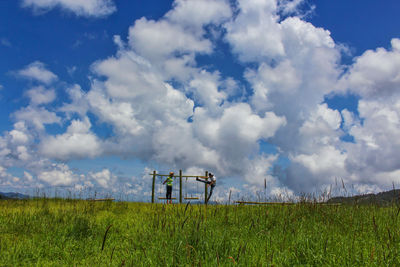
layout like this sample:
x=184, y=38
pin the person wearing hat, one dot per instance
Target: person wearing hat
x=211, y=182
x=169, y=181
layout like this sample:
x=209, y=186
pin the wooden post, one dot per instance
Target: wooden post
x=206, y=189
x=180, y=186
x=152, y=188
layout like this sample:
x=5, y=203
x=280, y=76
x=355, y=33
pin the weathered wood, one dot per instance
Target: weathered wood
x=155, y=174
x=191, y=198
x=180, y=186
x=102, y=199
x=153, y=186
x=206, y=189
x=264, y=203
x=166, y=198
x=183, y=176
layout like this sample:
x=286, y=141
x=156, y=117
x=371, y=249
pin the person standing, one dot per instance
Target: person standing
x=169, y=181
x=211, y=182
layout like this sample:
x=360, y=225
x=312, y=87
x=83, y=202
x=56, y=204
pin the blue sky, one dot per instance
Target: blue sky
x=96, y=94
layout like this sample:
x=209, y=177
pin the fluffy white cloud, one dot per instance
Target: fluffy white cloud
x=19, y=134
x=255, y=34
x=375, y=74
x=156, y=40
x=321, y=129
x=206, y=89
x=297, y=64
x=6, y=179
x=172, y=43
x=15, y=146
x=87, y=8
x=295, y=85
x=326, y=162
x=103, y=178
x=349, y=119
x=58, y=175
x=37, y=71
x=79, y=103
x=40, y=95
x=288, y=7
x=240, y=123
x=77, y=142
x=234, y=135
x=376, y=139
x=372, y=157
x=196, y=13
x=129, y=76
x=36, y=116
x=136, y=101
x=370, y=163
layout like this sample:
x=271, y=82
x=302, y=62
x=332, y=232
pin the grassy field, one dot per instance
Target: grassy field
x=45, y=232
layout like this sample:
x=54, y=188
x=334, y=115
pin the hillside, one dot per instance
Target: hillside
x=382, y=198
x=12, y=195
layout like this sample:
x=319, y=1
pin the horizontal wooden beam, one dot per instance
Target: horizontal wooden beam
x=183, y=176
x=167, y=198
x=264, y=203
x=191, y=198
x=284, y=203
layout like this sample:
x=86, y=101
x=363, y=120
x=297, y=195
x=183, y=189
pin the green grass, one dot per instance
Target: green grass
x=57, y=232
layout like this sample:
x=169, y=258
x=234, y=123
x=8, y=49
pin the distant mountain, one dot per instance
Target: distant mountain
x=383, y=198
x=13, y=195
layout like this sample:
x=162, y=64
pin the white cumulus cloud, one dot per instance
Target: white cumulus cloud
x=86, y=8
x=36, y=116
x=77, y=142
x=103, y=178
x=196, y=13
x=37, y=71
x=58, y=175
x=40, y=95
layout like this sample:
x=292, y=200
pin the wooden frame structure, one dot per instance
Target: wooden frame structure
x=155, y=174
